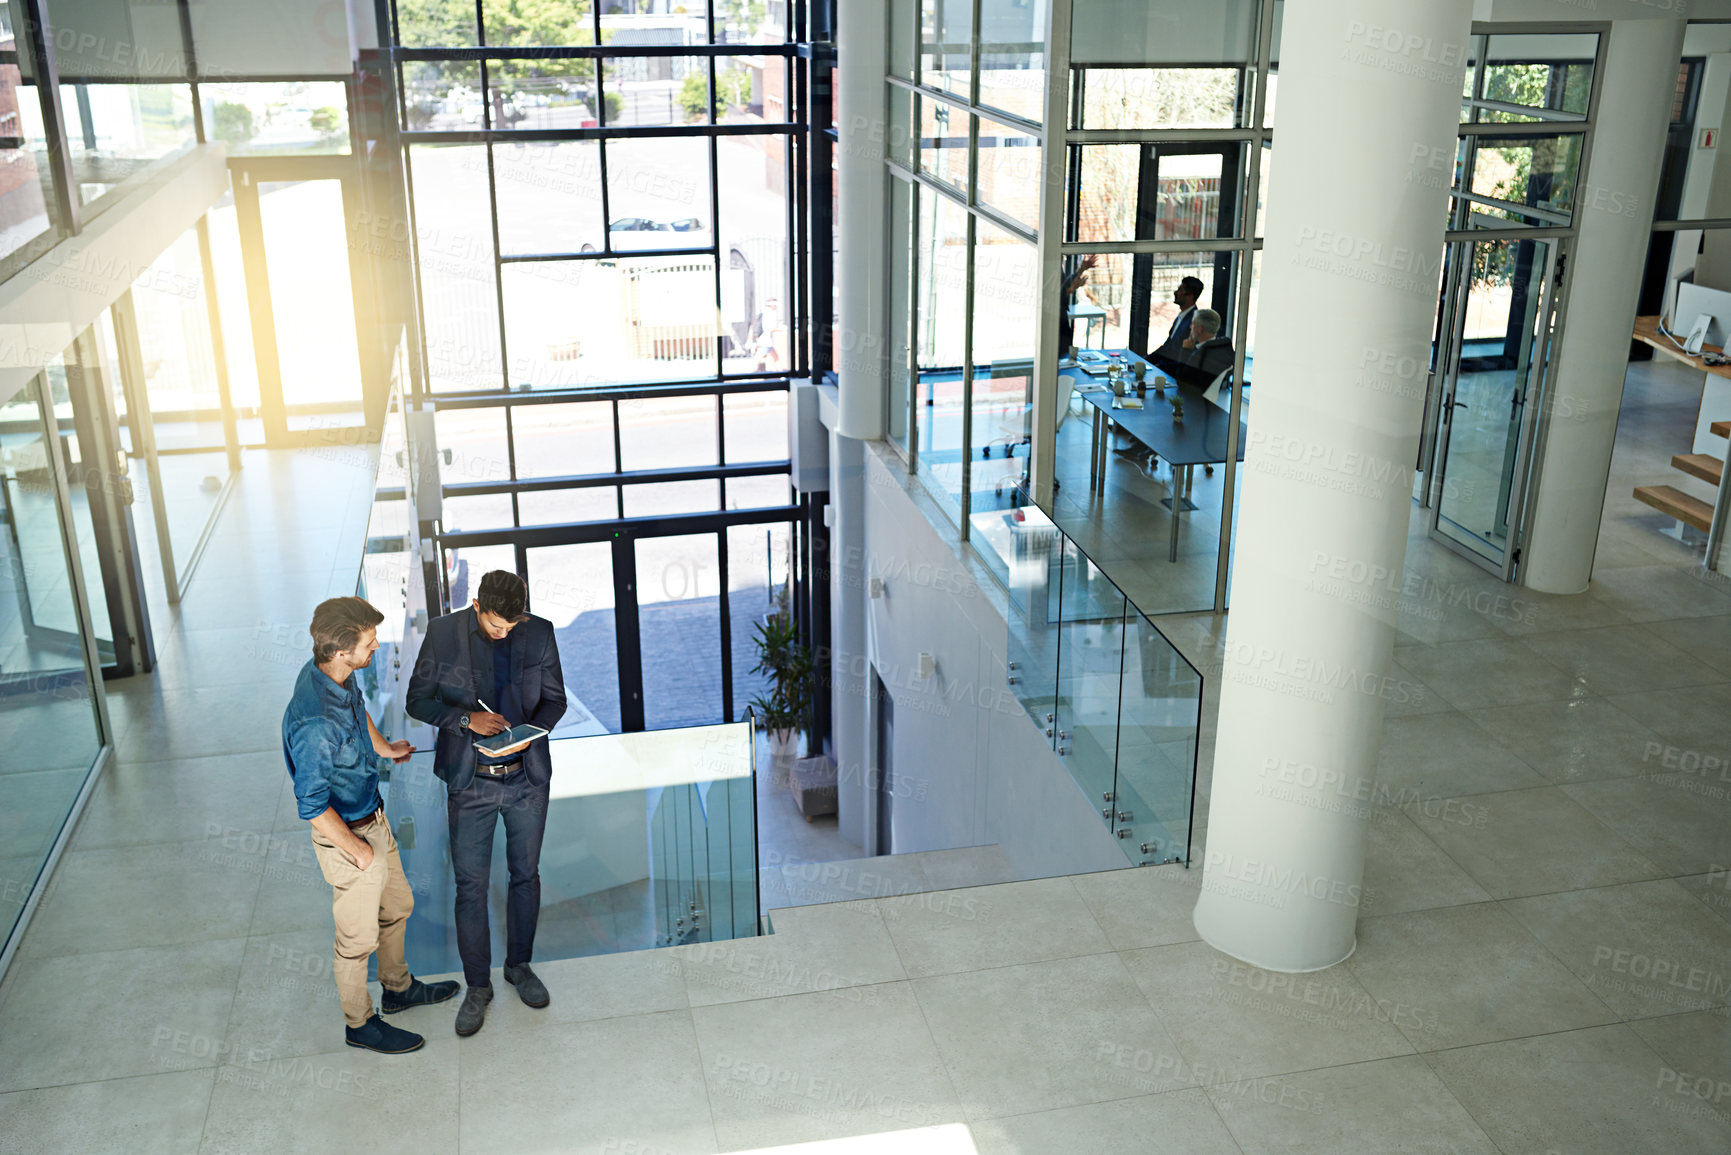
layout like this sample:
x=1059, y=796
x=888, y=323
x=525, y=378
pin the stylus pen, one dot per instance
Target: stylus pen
x=484, y=705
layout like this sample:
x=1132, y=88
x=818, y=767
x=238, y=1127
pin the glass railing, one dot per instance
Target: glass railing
x=650, y=841
x=1120, y=705
x=388, y=574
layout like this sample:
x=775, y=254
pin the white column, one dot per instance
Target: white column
x=1614, y=211
x=1349, y=273
x=859, y=221
x=1043, y=454
x=850, y=686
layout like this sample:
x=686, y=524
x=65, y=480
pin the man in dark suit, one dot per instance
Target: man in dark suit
x=1203, y=355
x=480, y=671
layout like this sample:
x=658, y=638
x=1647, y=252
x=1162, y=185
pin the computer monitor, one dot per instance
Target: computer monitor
x=1694, y=300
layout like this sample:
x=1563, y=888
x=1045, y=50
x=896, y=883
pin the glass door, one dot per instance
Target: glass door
x=1498, y=318
x=294, y=218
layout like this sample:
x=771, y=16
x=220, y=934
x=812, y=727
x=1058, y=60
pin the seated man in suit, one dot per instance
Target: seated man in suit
x=1185, y=296
x=1203, y=355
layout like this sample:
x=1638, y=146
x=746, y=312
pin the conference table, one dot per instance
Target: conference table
x=1201, y=438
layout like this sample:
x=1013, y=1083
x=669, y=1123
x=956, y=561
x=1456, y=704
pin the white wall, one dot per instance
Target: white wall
x=981, y=772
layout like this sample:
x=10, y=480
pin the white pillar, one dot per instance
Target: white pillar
x=1614, y=212
x=1350, y=267
x=850, y=681
x=859, y=220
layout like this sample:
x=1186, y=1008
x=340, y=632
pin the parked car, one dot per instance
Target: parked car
x=638, y=234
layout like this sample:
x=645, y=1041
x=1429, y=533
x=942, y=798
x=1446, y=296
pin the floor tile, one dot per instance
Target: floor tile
x=1713, y=889
x=1622, y=659
x=808, y=1067
x=815, y=948
x=1657, y=593
x=1184, y=1120
x=1047, y=1035
x=135, y=803
x=175, y=724
x=1492, y=672
x=1696, y=1049
x=1445, y=756
x=598, y=987
x=590, y=1088
x=335, y=1100
x=134, y=896
x=966, y=866
x=286, y=1003
x=1148, y=906
x=1404, y=870
x=1704, y=639
x=1520, y=842
x=145, y=1115
x=1646, y=948
x=947, y=931
x=1575, y=741
x=1588, y=1092
x=163, y=1009
x=1485, y=977
x=1695, y=720
x=1679, y=819
x=1228, y=1015
x=1358, y=1109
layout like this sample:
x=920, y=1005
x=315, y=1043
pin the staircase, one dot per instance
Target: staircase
x=1674, y=502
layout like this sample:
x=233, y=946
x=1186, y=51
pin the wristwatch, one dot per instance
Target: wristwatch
x=464, y=721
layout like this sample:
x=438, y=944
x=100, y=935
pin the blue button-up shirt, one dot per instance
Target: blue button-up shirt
x=328, y=748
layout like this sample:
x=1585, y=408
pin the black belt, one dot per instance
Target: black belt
x=499, y=769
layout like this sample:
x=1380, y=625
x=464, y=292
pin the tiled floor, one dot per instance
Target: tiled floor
x=1544, y=960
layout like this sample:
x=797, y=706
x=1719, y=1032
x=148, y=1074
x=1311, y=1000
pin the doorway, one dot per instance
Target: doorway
x=656, y=625
x=1494, y=345
x=304, y=292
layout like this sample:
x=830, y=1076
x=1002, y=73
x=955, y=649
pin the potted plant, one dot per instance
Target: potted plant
x=785, y=709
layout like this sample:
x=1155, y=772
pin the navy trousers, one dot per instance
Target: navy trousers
x=474, y=815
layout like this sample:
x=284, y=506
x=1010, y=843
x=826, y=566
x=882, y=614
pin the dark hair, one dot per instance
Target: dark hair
x=338, y=624
x=1194, y=284
x=503, y=592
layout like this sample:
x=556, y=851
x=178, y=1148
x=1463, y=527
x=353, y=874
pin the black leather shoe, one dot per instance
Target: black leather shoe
x=377, y=1035
x=419, y=994
x=473, y=1012
x=530, y=989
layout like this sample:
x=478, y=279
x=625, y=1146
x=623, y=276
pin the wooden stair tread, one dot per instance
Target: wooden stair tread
x=1703, y=465
x=1720, y=429
x=1675, y=503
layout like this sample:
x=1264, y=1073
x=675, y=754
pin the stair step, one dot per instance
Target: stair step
x=1720, y=429
x=1675, y=503
x=1703, y=465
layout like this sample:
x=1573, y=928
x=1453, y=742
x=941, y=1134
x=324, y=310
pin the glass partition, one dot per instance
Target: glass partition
x=1119, y=704
x=650, y=841
x=49, y=724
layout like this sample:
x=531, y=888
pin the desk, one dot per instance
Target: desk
x=1647, y=332
x=1199, y=440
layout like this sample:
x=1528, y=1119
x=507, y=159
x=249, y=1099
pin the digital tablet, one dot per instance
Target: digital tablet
x=496, y=745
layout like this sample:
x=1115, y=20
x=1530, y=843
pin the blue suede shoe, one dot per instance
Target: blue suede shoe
x=377, y=1035
x=419, y=994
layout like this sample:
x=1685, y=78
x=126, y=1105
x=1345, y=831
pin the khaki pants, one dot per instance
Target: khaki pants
x=371, y=909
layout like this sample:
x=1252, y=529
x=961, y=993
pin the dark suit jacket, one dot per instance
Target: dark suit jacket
x=1201, y=365
x=454, y=671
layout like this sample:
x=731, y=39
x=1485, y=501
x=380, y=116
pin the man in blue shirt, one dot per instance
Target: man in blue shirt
x=479, y=672
x=332, y=750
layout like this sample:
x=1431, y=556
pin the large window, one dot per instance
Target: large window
x=603, y=210
x=964, y=106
